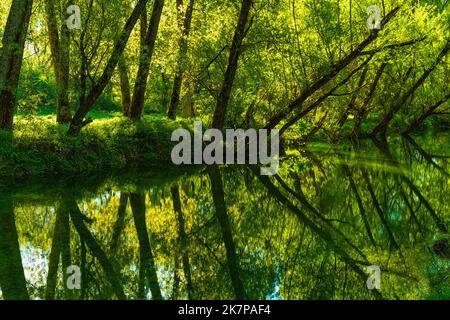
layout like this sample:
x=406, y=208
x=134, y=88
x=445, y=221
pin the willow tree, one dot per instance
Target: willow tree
x=87, y=102
x=11, y=56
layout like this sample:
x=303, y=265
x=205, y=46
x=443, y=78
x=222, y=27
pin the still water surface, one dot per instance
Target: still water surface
x=227, y=232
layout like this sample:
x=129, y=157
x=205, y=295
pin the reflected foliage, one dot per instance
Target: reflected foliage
x=227, y=232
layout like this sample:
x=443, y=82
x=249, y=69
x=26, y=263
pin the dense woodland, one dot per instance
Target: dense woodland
x=306, y=66
x=363, y=113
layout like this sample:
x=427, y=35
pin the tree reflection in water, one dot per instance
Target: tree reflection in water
x=225, y=233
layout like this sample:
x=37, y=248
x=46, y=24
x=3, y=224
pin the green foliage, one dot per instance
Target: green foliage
x=40, y=147
x=288, y=47
x=37, y=90
x=353, y=203
x=438, y=274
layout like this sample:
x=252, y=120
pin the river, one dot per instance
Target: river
x=226, y=232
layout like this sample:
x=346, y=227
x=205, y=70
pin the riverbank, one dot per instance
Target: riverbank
x=40, y=147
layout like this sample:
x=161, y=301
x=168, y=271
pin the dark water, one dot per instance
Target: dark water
x=225, y=233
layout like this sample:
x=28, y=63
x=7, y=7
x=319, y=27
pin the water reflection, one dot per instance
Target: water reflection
x=229, y=233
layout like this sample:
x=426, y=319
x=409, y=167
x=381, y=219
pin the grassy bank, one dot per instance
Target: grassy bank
x=40, y=147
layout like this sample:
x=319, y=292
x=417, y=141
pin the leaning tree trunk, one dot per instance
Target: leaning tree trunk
x=235, y=51
x=429, y=112
x=11, y=58
x=382, y=127
x=186, y=29
x=137, y=104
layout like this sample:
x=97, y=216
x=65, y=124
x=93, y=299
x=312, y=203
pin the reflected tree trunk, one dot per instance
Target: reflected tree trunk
x=439, y=223
x=425, y=155
x=410, y=208
x=84, y=270
x=225, y=227
x=362, y=211
x=147, y=262
x=53, y=263
x=323, y=234
x=182, y=238
x=302, y=199
x=120, y=222
x=378, y=209
x=176, y=277
x=12, y=276
x=383, y=146
x=66, y=257
x=60, y=248
x=87, y=238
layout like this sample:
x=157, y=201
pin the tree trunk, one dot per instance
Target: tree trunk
x=235, y=51
x=11, y=58
x=125, y=87
x=140, y=86
x=382, y=127
x=186, y=28
x=416, y=123
x=297, y=104
x=59, y=46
